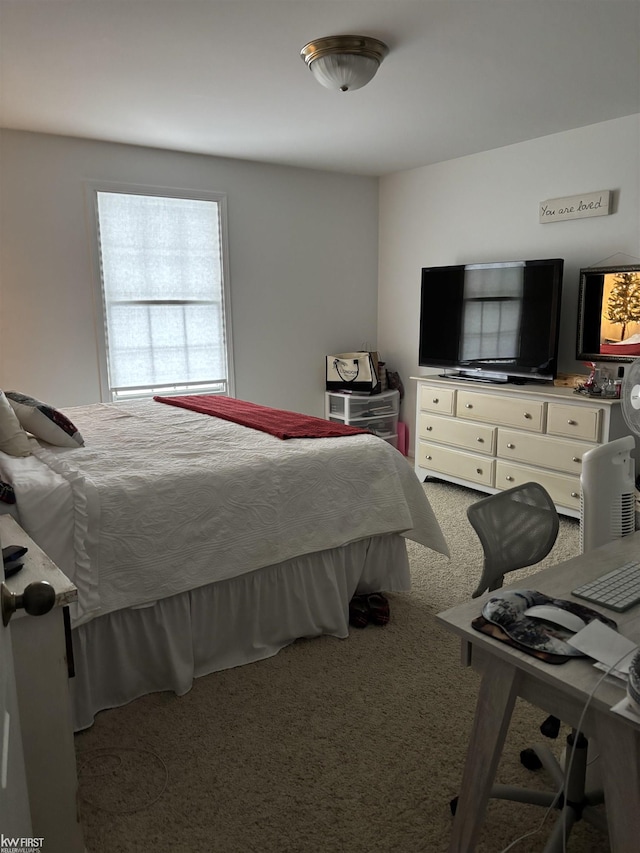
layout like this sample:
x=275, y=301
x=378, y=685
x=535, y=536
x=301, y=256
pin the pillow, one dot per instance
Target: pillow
x=13, y=439
x=7, y=495
x=44, y=421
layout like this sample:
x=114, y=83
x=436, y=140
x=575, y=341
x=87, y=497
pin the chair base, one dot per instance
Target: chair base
x=570, y=796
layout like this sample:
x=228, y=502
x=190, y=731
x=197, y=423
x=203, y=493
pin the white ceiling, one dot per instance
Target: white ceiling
x=226, y=78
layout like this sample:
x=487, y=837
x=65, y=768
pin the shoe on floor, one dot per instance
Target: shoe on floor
x=359, y=612
x=378, y=608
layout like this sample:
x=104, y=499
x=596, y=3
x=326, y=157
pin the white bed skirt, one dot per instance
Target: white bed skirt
x=164, y=646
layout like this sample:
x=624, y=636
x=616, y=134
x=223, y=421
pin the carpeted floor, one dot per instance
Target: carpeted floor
x=332, y=746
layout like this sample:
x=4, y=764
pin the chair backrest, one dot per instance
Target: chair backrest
x=517, y=528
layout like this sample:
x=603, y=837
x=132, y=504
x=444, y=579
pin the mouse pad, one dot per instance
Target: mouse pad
x=503, y=618
x=485, y=627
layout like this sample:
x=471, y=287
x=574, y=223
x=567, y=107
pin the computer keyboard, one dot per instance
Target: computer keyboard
x=618, y=590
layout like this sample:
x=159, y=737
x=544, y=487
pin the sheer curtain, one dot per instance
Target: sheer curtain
x=162, y=279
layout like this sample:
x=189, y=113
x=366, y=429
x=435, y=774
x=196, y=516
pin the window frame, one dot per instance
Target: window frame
x=91, y=190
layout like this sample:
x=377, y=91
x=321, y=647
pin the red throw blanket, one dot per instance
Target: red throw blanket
x=278, y=422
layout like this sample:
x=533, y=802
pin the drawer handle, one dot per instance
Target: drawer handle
x=429, y=428
x=468, y=405
x=575, y=495
x=478, y=470
x=511, y=446
x=509, y=478
x=577, y=459
x=571, y=422
x=480, y=439
x=527, y=416
x=435, y=400
x=427, y=457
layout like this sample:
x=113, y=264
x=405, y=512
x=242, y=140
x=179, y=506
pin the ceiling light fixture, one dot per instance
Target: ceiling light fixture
x=344, y=62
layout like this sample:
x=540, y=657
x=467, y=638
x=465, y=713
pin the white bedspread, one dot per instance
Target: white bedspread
x=161, y=500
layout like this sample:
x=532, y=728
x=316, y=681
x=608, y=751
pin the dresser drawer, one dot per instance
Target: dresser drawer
x=465, y=466
x=478, y=438
x=564, y=489
x=559, y=454
x=384, y=427
x=515, y=412
x=435, y=399
x=576, y=421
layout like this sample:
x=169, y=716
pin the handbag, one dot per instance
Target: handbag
x=353, y=371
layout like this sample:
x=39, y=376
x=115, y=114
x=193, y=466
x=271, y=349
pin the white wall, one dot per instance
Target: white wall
x=485, y=208
x=303, y=250
x=303, y=265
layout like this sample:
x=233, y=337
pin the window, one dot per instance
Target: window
x=164, y=296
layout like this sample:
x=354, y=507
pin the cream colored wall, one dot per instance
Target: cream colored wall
x=485, y=208
x=302, y=256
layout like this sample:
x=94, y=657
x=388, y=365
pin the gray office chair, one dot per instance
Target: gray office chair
x=517, y=528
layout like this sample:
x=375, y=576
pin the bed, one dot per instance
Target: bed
x=198, y=544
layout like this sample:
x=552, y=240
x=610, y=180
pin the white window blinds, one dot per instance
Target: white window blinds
x=163, y=294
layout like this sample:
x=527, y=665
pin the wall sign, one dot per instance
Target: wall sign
x=576, y=206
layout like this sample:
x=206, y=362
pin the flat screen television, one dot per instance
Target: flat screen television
x=496, y=322
x=609, y=314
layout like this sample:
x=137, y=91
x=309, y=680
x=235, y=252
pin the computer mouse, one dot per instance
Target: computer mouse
x=557, y=616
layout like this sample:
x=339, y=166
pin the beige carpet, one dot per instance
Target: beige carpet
x=332, y=746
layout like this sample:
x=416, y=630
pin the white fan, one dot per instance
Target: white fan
x=630, y=396
x=608, y=502
x=607, y=495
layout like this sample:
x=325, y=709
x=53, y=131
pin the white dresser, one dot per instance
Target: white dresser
x=493, y=437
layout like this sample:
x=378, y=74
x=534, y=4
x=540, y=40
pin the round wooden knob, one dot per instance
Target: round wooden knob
x=37, y=599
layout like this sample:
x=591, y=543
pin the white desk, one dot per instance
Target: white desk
x=561, y=690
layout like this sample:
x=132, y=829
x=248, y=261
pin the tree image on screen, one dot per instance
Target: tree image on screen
x=623, y=306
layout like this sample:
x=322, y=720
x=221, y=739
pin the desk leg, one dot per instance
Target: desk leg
x=496, y=698
x=619, y=748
